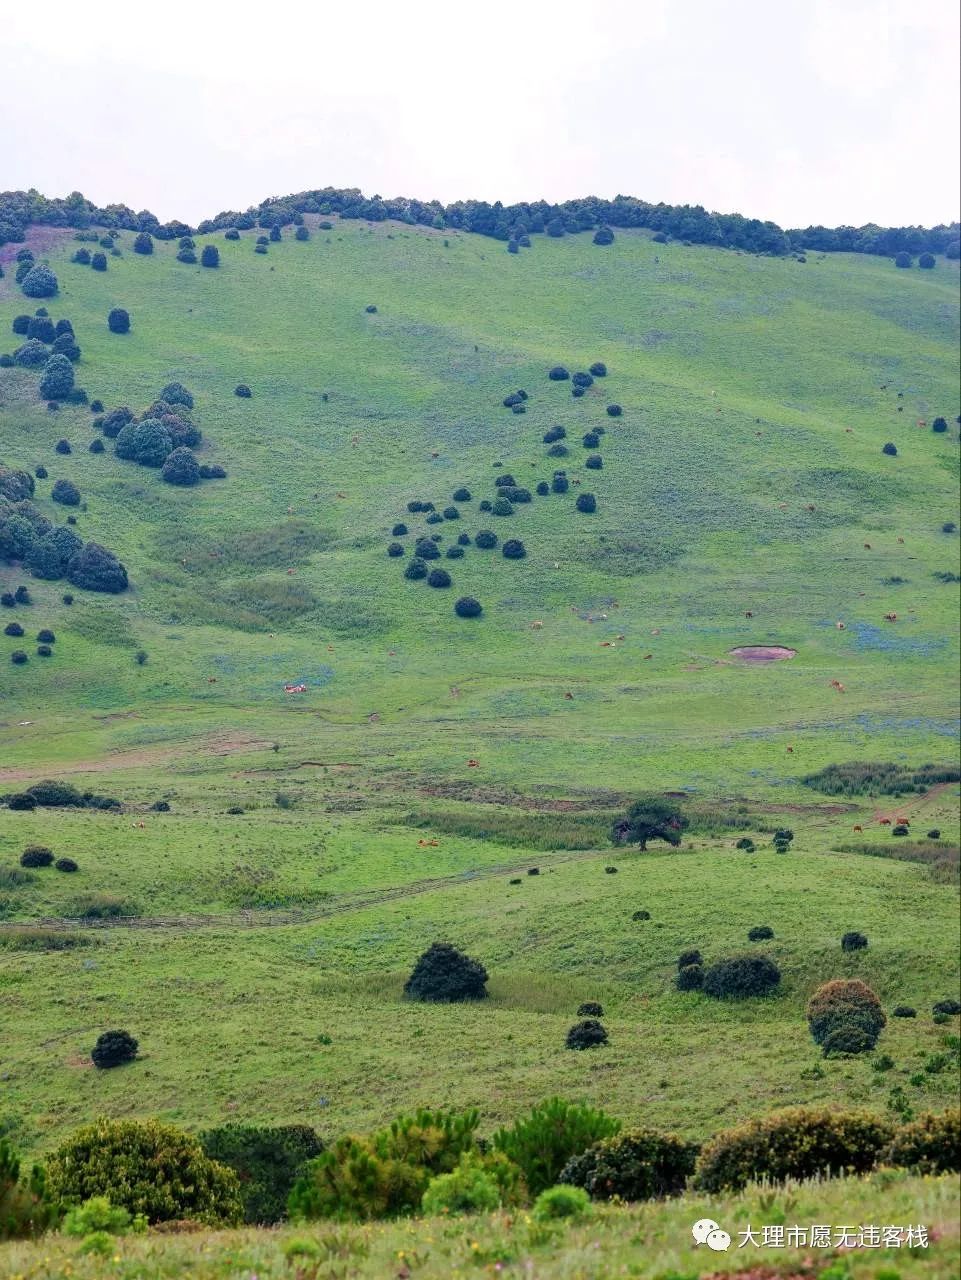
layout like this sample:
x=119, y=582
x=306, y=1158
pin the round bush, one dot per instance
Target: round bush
x=416, y=570
x=399, y=531
x=690, y=977
x=690, y=956
x=640, y=1164
x=143, y=243
x=435, y=517
x=18, y=657
x=461, y=495
x=95, y=568
x=795, y=1143
x=6, y=361
x=455, y=552
x=929, y=1145
x=146, y=1168
x=514, y=549
x=543, y=488
x=485, y=539
x=210, y=256
x=40, y=282
x=586, y=502
x=598, y=369
x=890, y=449
x=843, y=1001
x=904, y=1011
x=44, y=651
x=21, y=325
x=260, y=248
x=939, y=425
x=56, y=381
x=582, y=380
x=188, y=256
x=603, y=236
x=557, y=1204
x=96, y=445
x=590, y=1009
x=853, y=941
x=591, y=440
x=468, y=607
x=31, y=354
x=594, y=462
x=740, y=977
x=926, y=261
x=463, y=539
x=846, y=1040
x=502, y=507
x=42, y=328
x=118, y=320
x=66, y=864
x=485, y=504
x=903, y=260
x=466, y=1189
x=950, y=1007
x=13, y=629
x=614, y=410
x=560, y=482
x=557, y=374
x=427, y=549
x=180, y=467
x=444, y=974
x=438, y=578
x=395, y=549
x=36, y=855
x=99, y=262
x=66, y=493
x=760, y=933
x=577, y=391
x=505, y=481
x=46, y=636
x=587, y=1034
x=641, y=915
x=554, y=433
x=113, y=1048
x=451, y=513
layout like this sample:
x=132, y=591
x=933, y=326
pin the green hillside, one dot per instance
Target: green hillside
x=433, y=760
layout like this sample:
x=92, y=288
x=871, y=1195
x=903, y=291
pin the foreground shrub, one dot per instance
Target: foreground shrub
x=36, y=855
x=690, y=977
x=143, y=243
x=949, y=1007
x=386, y=1173
x=445, y=974
x=587, y=1034
x=26, y=1207
x=796, y=1143
x=741, y=977
x=853, y=941
x=542, y=1143
x=640, y=1164
x=66, y=493
x=590, y=1008
x=146, y=1168
x=904, y=1011
x=97, y=1216
x=96, y=569
x=558, y=373
x=210, y=256
x=416, y=569
x=118, y=320
x=930, y=1145
x=267, y=1161
x=841, y=1003
x=113, y=1048
x=438, y=578
x=40, y=282
x=614, y=410
x=467, y=1189
x=558, y=1203
x=847, y=1039
x=468, y=607
x=760, y=933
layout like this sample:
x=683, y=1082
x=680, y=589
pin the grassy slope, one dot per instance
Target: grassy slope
x=700, y=520
x=652, y=1240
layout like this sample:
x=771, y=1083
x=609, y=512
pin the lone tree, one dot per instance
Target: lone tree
x=114, y=1048
x=118, y=321
x=445, y=974
x=650, y=818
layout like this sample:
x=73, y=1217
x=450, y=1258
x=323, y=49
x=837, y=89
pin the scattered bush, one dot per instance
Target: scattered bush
x=951, y=1007
x=13, y=629
x=445, y=974
x=399, y=531
x=594, y=462
x=42, y=328
x=903, y=260
x=455, y=553
x=31, y=354
x=587, y=1034
x=590, y=1008
x=56, y=381
x=66, y=864
x=582, y=380
x=760, y=933
x=36, y=855
x=18, y=658
x=556, y=1204
x=557, y=374
x=603, y=236
x=463, y=539
x=846, y=1040
x=939, y=425
x=427, y=549
x=118, y=320
x=94, y=568
x=395, y=549
x=115, y=421
x=40, y=282
x=468, y=607
x=468, y=1188
x=690, y=977
x=210, y=256
x=586, y=502
x=99, y=262
x=542, y=1143
x=416, y=569
x=853, y=941
x=502, y=507
x=598, y=369
x=143, y=243
x=904, y=1011
x=187, y=256
x=267, y=1161
x=926, y=261
x=63, y=447
x=890, y=449
x=451, y=513
x=560, y=482
x=514, y=549
x=640, y=1164
x=614, y=410
x=113, y=1048
x=461, y=495
x=740, y=977
x=795, y=1143
x=147, y=442
x=485, y=539
x=146, y=1168
x=66, y=493
x=844, y=1002
x=96, y=445
x=438, y=578
x=180, y=467
x=21, y=325
x=929, y=1145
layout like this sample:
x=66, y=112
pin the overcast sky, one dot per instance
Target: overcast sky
x=803, y=111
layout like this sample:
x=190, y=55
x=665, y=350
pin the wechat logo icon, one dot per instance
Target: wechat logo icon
x=707, y=1231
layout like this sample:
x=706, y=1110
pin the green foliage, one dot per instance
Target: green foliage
x=795, y=1143
x=561, y=1203
x=98, y=1214
x=586, y=1034
x=210, y=256
x=96, y=569
x=147, y=442
x=26, y=1207
x=118, y=320
x=690, y=977
x=445, y=974
x=931, y=1144
x=845, y=1004
x=267, y=1161
x=741, y=977
x=468, y=1188
x=650, y=818
x=180, y=467
x=147, y=1168
x=468, y=607
x=639, y=1164
x=56, y=381
x=39, y=282
x=542, y=1143
x=113, y=1048
x=853, y=941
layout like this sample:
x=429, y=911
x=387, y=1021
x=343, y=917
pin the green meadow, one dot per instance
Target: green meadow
x=262, y=927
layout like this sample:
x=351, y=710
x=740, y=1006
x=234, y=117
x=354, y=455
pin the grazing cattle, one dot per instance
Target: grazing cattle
x=568, y=696
x=291, y=572
x=605, y=644
x=884, y=822
x=748, y=613
x=646, y=656
x=836, y=684
x=890, y=617
x=536, y=626
x=619, y=637
x=473, y=764
x=839, y=625
x=810, y=507
x=859, y=828
x=790, y=751
x=435, y=454
x=341, y=495
x=903, y=822
x=211, y=679
x=868, y=547
x=901, y=540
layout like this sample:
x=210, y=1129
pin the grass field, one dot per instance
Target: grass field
x=744, y=498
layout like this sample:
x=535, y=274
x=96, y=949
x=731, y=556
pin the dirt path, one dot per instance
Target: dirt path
x=358, y=900
x=139, y=758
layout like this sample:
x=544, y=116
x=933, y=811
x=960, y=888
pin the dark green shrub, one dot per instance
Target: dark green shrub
x=31, y=354
x=505, y=481
x=395, y=549
x=438, y=578
x=603, y=236
x=66, y=493
x=13, y=629
x=187, y=256
x=143, y=243
x=210, y=256
x=890, y=449
x=951, y=1007
x=518, y=494
x=96, y=445
x=929, y=1145
x=543, y=488
x=586, y=502
x=558, y=373
x=399, y=530
x=926, y=261
x=99, y=262
x=587, y=1034
x=591, y=440
x=485, y=539
x=485, y=504
x=46, y=636
x=427, y=549
x=847, y=1039
x=502, y=507
x=21, y=325
x=582, y=380
x=939, y=425
x=650, y=818
x=640, y=1164
x=451, y=513
x=82, y=257
x=445, y=974
x=63, y=447
x=66, y=864
x=267, y=1161
x=435, y=517
x=147, y=442
x=614, y=410
x=416, y=569
x=94, y=568
x=690, y=977
x=36, y=855
x=844, y=1001
x=66, y=345
x=542, y=1143
x=560, y=482
x=903, y=260
x=598, y=369
x=904, y=1011
x=934, y=834
x=118, y=320
x=56, y=381
x=594, y=462
x=796, y=1143
x=40, y=282
x=260, y=248
x=44, y=651
x=461, y=495
x=42, y=328
x=455, y=553
x=113, y=1048
x=554, y=433
x=760, y=933
x=6, y=360
x=463, y=539
x=590, y=1008
x=853, y=941
x=180, y=467
x=740, y=977
x=18, y=658
x=514, y=549
x=146, y=1168
x=900, y=830
x=26, y=1207
x=468, y=607
x=115, y=421
x=690, y=956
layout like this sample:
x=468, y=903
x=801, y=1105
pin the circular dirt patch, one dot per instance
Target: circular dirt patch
x=762, y=652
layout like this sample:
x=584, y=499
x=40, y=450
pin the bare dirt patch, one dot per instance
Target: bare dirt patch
x=762, y=652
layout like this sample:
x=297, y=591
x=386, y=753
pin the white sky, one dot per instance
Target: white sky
x=833, y=111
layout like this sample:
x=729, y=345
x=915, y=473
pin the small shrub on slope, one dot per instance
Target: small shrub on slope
x=640, y=1164
x=542, y=1143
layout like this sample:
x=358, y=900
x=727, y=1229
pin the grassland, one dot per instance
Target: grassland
x=753, y=391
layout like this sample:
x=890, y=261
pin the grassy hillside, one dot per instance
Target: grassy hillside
x=744, y=499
